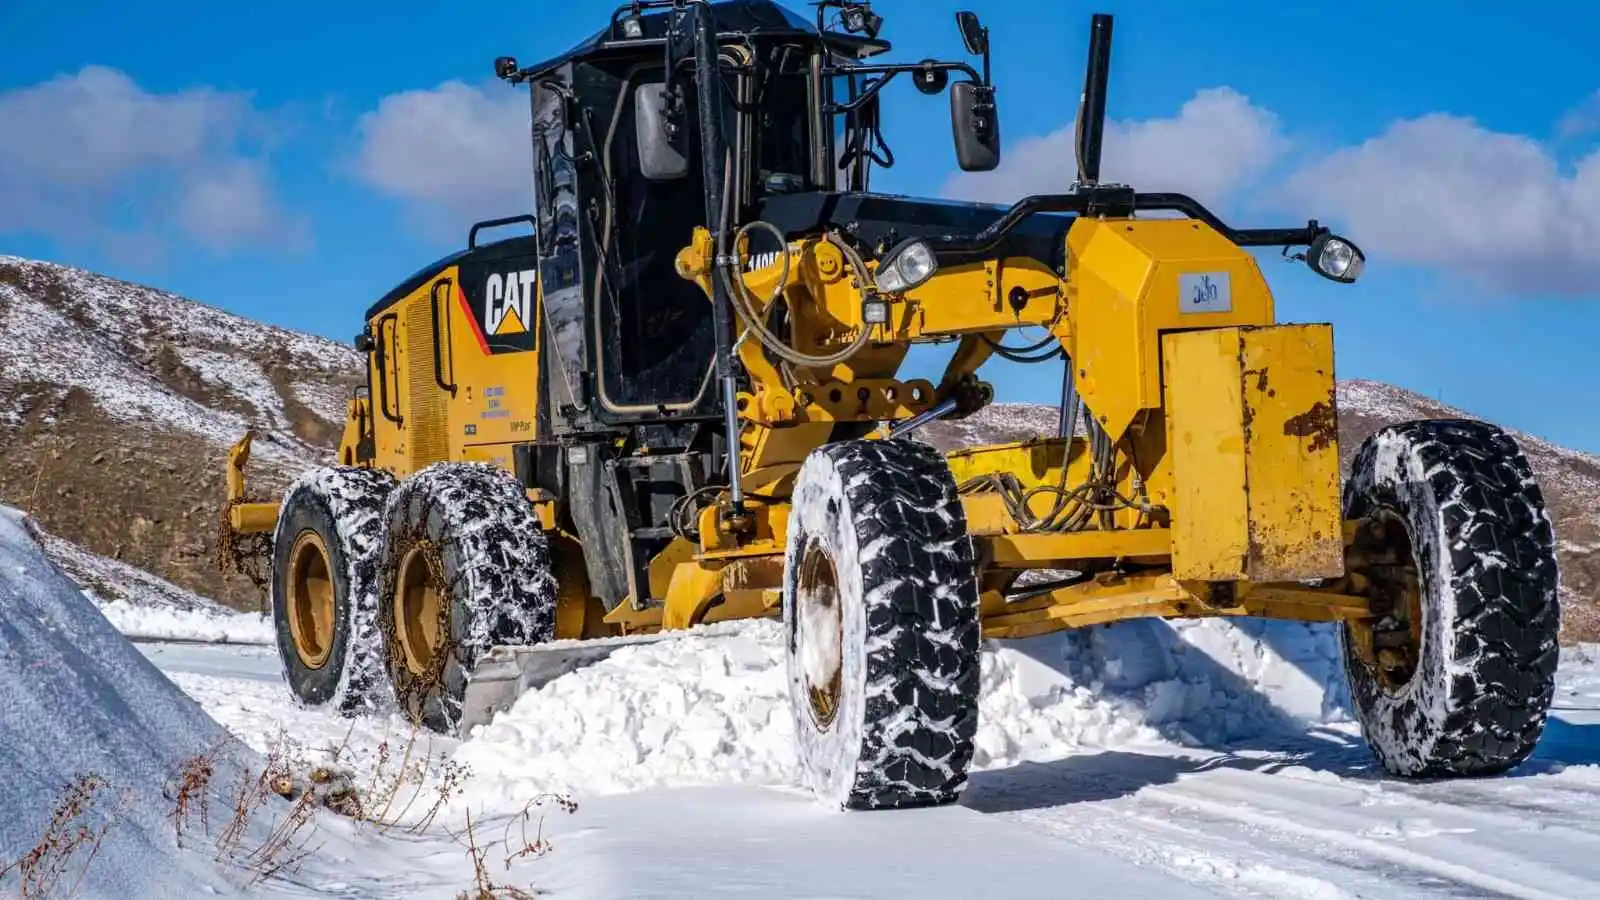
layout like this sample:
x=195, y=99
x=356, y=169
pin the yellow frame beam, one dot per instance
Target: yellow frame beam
x=1105, y=600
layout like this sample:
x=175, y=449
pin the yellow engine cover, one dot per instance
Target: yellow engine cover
x=1253, y=433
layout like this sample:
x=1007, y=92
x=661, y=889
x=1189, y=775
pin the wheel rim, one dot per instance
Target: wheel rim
x=1389, y=642
x=419, y=609
x=820, y=622
x=311, y=603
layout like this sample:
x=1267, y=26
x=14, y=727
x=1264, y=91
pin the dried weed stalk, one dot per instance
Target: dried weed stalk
x=485, y=887
x=70, y=842
x=425, y=777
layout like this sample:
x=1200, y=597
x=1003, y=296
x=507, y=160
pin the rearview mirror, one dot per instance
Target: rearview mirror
x=976, y=122
x=659, y=159
x=973, y=33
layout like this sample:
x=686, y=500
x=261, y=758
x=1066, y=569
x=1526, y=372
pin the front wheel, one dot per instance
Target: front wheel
x=880, y=606
x=1454, y=673
x=466, y=568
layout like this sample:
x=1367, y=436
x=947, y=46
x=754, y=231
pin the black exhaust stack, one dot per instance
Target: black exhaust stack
x=1092, y=114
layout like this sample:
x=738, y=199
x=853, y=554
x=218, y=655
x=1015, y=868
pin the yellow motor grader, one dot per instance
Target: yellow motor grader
x=678, y=402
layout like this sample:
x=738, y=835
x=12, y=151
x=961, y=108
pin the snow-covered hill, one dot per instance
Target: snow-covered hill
x=118, y=402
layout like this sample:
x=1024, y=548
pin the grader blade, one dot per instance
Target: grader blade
x=505, y=673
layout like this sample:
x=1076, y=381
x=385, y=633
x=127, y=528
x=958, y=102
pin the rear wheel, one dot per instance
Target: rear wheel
x=880, y=606
x=324, y=588
x=466, y=568
x=1455, y=673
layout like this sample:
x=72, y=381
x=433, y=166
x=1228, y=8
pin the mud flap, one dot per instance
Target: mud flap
x=506, y=673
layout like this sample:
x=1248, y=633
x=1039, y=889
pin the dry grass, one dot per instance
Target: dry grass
x=484, y=886
x=408, y=790
x=286, y=776
x=396, y=786
x=69, y=844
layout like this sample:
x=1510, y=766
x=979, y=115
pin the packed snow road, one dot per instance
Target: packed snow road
x=1135, y=761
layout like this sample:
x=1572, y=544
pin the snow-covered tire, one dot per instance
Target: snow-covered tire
x=880, y=604
x=1484, y=550
x=467, y=532
x=330, y=530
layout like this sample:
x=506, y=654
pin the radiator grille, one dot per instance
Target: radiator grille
x=426, y=441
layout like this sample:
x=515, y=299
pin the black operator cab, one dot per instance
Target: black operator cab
x=621, y=179
x=620, y=189
x=678, y=115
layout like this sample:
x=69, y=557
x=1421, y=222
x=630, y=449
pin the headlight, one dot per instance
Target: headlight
x=1335, y=258
x=906, y=267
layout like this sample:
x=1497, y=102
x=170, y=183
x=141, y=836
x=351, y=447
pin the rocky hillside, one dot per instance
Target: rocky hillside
x=118, y=404
x=1570, y=479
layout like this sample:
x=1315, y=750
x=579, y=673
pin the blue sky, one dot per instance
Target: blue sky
x=291, y=161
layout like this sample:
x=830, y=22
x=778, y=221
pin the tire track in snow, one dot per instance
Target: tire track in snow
x=1324, y=814
x=1283, y=831
x=1400, y=856
x=1184, y=846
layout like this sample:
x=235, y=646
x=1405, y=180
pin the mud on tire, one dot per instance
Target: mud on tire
x=467, y=533
x=1476, y=699
x=880, y=606
x=327, y=542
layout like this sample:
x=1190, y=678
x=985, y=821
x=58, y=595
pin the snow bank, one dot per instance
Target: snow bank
x=676, y=713
x=76, y=699
x=693, y=712
x=142, y=605
x=1195, y=682
x=162, y=624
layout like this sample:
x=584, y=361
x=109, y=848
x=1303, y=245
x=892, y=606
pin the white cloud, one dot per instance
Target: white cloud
x=1217, y=143
x=229, y=205
x=1443, y=191
x=456, y=153
x=1581, y=120
x=93, y=155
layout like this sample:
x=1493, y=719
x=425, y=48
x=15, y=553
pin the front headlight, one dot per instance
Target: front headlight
x=906, y=267
x=1335, y=258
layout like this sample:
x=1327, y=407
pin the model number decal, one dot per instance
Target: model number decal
x=1205, y=292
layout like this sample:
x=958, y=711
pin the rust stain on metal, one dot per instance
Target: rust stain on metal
x=1320, y=424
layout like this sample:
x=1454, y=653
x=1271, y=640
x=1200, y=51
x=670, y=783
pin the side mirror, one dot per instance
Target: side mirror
x=976, y=122
x=659, y=159
x=973, y=33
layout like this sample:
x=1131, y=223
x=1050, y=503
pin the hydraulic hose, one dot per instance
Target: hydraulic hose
x=744, y=301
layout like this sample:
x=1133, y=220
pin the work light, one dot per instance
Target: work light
x=905, y=267
x=1335, y=258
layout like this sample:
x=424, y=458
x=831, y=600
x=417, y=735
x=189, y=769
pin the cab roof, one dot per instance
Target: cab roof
x=753, y=18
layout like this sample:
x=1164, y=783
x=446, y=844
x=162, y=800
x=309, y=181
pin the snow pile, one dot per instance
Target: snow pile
x=155, y=623
x=76, y=699
x=686, y=712
x=144, y=606
x=675, y=713
x=1196, y=682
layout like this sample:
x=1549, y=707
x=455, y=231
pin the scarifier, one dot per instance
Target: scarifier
x=678, y=402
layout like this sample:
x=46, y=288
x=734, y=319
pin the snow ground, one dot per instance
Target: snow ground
x=1102, y=774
